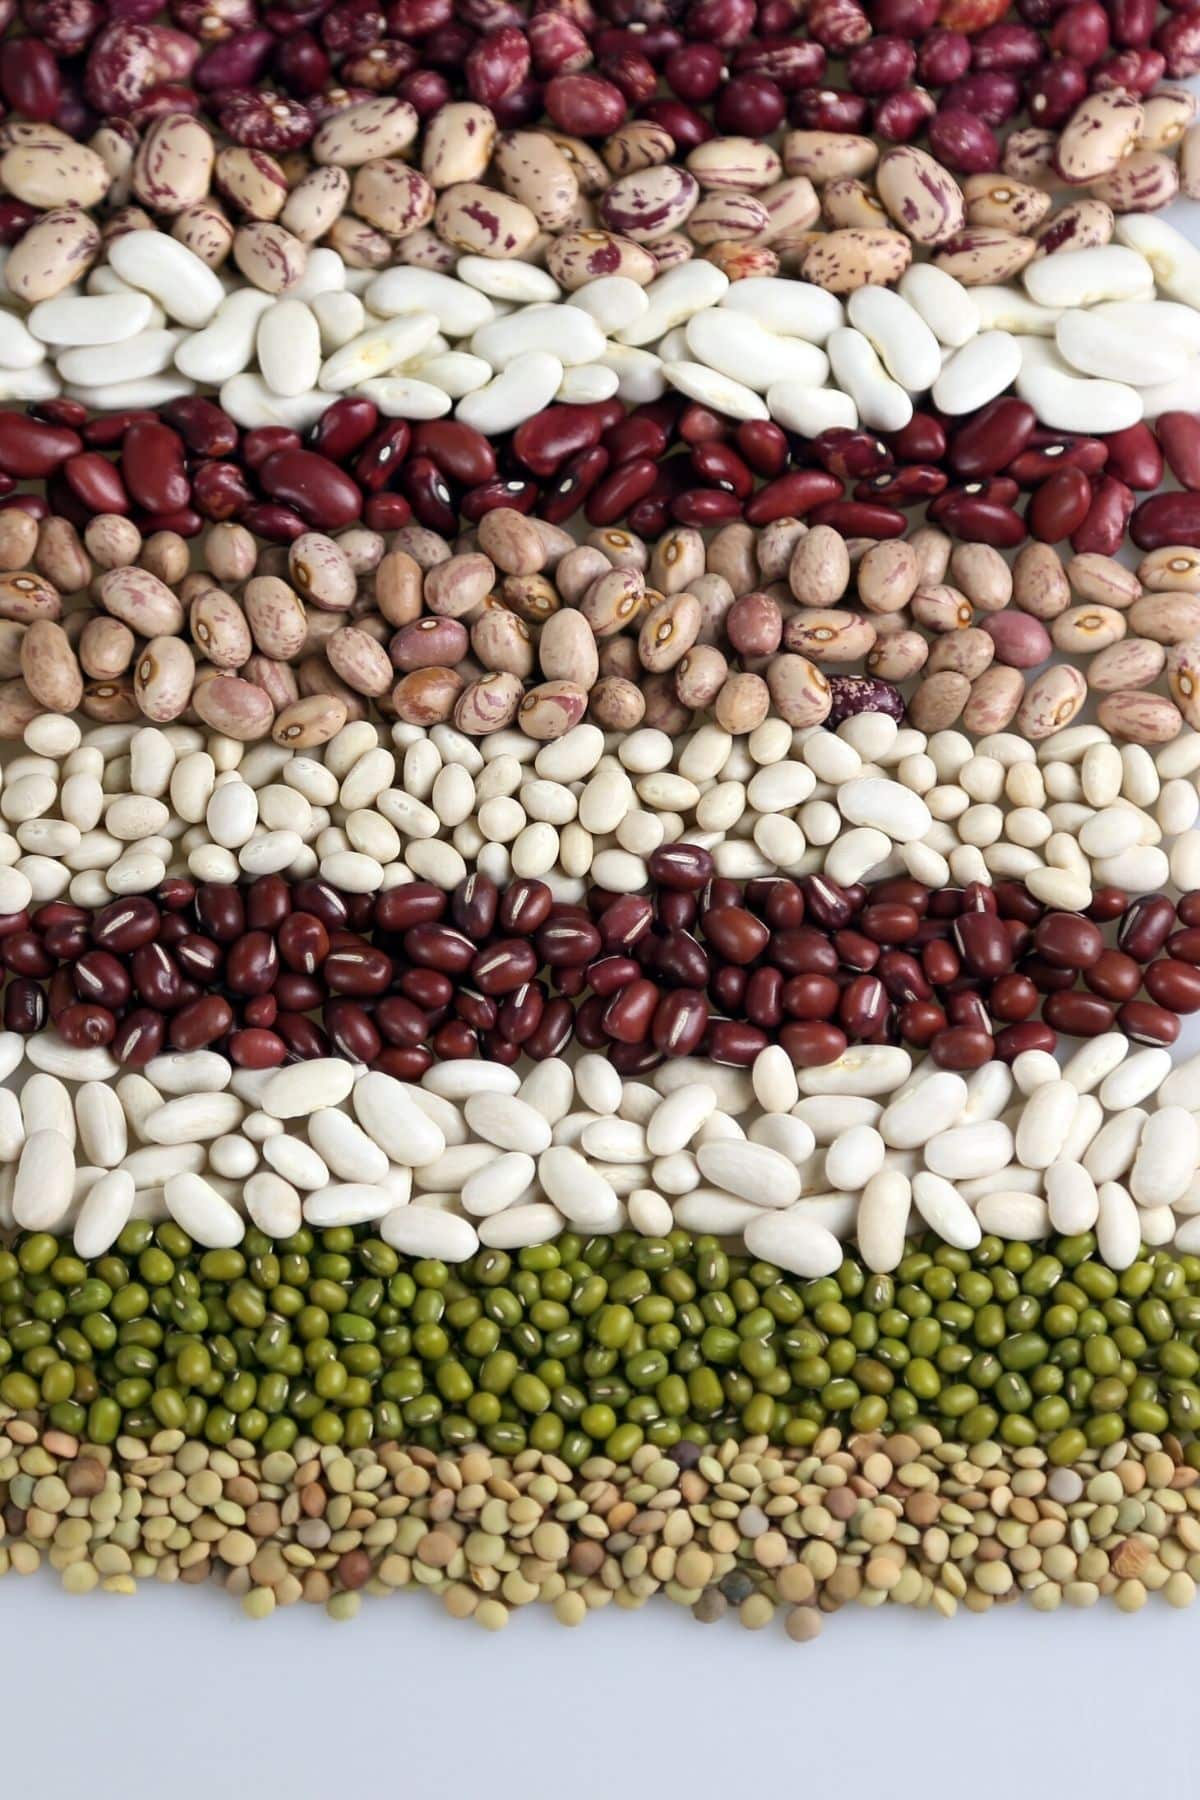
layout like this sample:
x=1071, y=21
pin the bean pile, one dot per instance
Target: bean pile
x=745, y=1530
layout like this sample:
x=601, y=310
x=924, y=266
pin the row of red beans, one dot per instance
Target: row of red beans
x=702, y=966
x=669, y=461
x=587, y=67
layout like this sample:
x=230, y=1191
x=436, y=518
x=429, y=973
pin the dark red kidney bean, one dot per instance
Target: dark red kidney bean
x=983, y=943
x=982, y=521
x=649, y=518
x=813, y=1043
x=524, y=906
x=1103, y=530
x=324, y=495
x=543, y=442
x=810, y=997
x=1166, y=519
x=220, y=911
x=344, y=428
x=626, y=921
x=1114, y=976
x=991, y=439
x=252, y=964
x=474, y=904
x=268, y=903
x=124, y=924
x=219, y=491
x=200, y=1024
x=1147, y=1023
x=1012, y=998
x=721, y=466
x=861, y=518
x=426, y=489
x=735, y=933
x=1078, y=1015
x=351, y=1030
x=962, y=1047
x=764, y=446
x=1178, y=435
x=96, y=482
x=857, y=951
x=185, y=523
x=848, y=453
x=396, y=909
x=1134, y=457
x=1049, y=453
x=903, y=487
x=153, y=469
x=1068, y=940
x=553, y=1031
x=82, y=1026
x=30, y=79
x=702, y=507
x=101, y=979
x=265, y=441
x=1174, y=984
x=379, y=458
x=278, y=524
x=1059, y=506
x=504, y=966
x=257, y=1049
x=616, y=494
x=572, y=487
x=1185, y=944
x=630, y=1013
x=1146, y=926
x=24, y=1006
x=922, y=440
x=462, y=453
x=201, y=423
x=1015, y=1040
x=792, y=496
x=682, y=866
x=645, y=433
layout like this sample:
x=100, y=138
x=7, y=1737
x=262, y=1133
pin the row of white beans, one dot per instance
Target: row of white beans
x=89, y=815
x=790, y=1162
x=1083, y=339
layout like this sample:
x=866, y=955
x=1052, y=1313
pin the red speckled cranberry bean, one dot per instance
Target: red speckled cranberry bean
x=30, y=79
x=964, y=142
x=585, y=105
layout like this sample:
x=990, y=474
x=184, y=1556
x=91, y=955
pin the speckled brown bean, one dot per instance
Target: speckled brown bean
x=1166, y=618
x=967, y=652
x=1173, y=566
x=533, y=598
x=776, y=546
x=488, y=704
x=941, y=609
x=1140, y=718
x=234, y=707
x=398, y=584
x=982, y=575
x=614, y=601
x=10, y=648
x=995, y=697
x=220, y=629
x=18, y=538
x=25, y=597
x=731, y=555
x=742, y=704
x=716, y=599
x=361, y=663
x=828, y=635
x=280, y=682
x=229, y=552
x=700, y=676
x=309, y=722
x=49, y=667
x=551, y=709
x=616, y=704
x=18, y=708
x=1039, y=582
x=668, y=631
x=140, y=601
x=162, y=679
x=678, y=559
x=1051, y=701
x=61, y=557
x=819, y=572
x=1133, y=663
x=512, y=541
x=105, y=648
x=577, y=571
x=931, y=548
x=938, y=701
x=898, y=655
x=1102, y=578
x=501, y=641
x=458, y=588
x=567, y=649
x=1081, y=630
x=799, y=690
x=1183, y=680
x=276, y=617
x=888, y=576
x=321, y=572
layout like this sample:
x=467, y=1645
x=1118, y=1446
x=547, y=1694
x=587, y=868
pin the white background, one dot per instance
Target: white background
x=178, y=1693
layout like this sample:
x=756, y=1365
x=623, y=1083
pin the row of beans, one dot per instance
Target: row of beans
x=669, y=461
x=703, y=966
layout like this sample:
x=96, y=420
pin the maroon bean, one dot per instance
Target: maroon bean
x=764, y=446
x=1078, y=1015
x=863, y=1007
x=524, y=906
x=813, y=1043
x=1166, y=519
x=400, y=908
x=268, y=903
x=473, y=905
x=139, y=1037
x=810, y=997
x=203, y=426
x=563, y=943
x=919, y=1022
x=303, y=942
x=963, y=141
x=903, y=487
x=900, y=115
x=991, y=438
x=922, y=440
x=1049, y=452
x=521, y=1013
x=857, y=951
x=1137, y=70
x=617, y=493
x=475, y=1009
x=252, y=964
x=351, y=1031
x=401, y=1021
x=792, y=496
x=31, y=450
x=124, y=924
x=680, y=959
x=784, y=907
x=1134, y=457
x=220, y=911
x=101, y=979
x=1147, y=1023
x=630, y=1013
x=1015, y=1040
x=344, y=428
x=727, y=990
x=377, y=462
x=200, y=958
x=506, y=965
x=626, y=921
x=553, y=1031
x=1114, y=976
x=889, y=922
x=702, y=507
x=608, y=973
x=961, y=1047
x=1185, y=944
x=1013, y=998
x=681, y=866
x=826, y=902
x=1174, y=984
x=735, y=933
x=735, y=1042
x=1146, y=927
x=82, y=1026
x=257, y=1049
x=983, y=943
x=96, y=483
x=265, y=441
x=903, y=976
x=585, y=105
x=219, y=491
x=438, y=947
x=459, y=452
x=1068, y=940
x=303, y=1039
x=24, y=1006
x=200, y=1024
x=763, y=1000
x=30, y=78
x=1179, y=437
